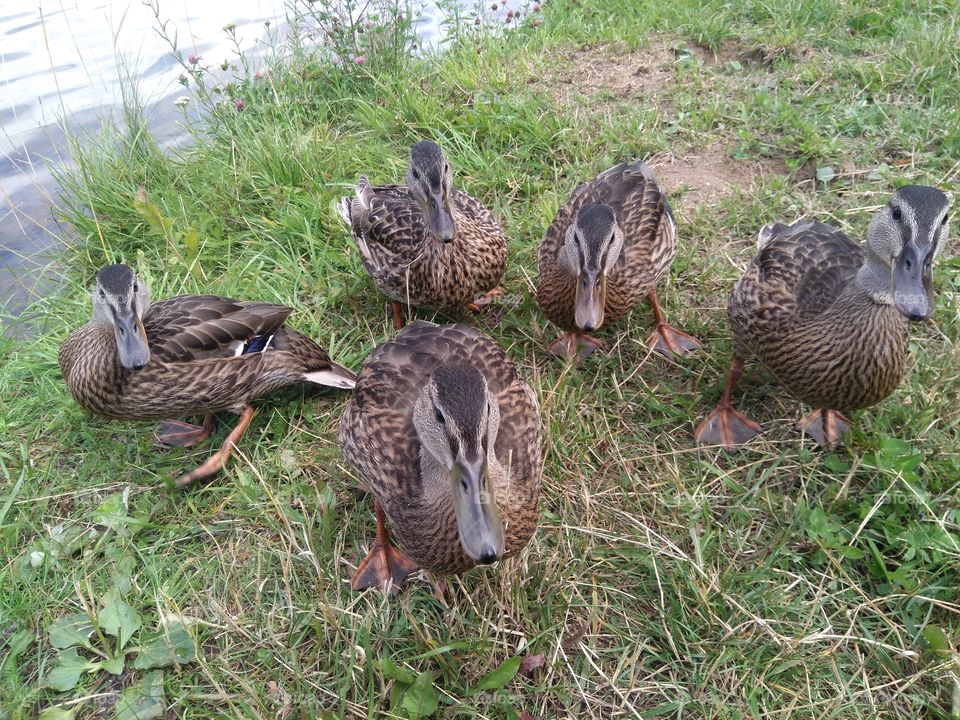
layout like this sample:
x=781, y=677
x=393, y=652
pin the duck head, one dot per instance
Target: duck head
x=456, y=418
x=592, y=245
x=903, y=240
x=120, y=300
x=431, y=182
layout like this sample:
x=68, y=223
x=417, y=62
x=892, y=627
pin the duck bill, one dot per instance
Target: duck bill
x=590, y=298
x=912, y=282
x=132, y=348
x=478, y=522
x=441, y=219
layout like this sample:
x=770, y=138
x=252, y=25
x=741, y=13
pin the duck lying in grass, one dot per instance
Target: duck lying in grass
x=184, y=356
x=426, y=243
x=447, y=437
x=605, y=251
x=831, y=319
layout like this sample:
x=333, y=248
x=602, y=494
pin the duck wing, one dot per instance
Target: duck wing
x=197, y=327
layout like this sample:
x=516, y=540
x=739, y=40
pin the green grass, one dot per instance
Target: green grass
x=664, y=581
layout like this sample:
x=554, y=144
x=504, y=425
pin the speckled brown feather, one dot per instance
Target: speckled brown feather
x=193, y=368
x=799, y=311
x=380, y=442
x=407, y=263
x=649, y=243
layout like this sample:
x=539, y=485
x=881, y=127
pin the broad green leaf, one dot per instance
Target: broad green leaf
x=119, y=619
x=114, y=665
x=826, y=174
x=421, y=699
x=937, y=640
x=848, y=551
x=112, y=512
x=58, y=713
x=148, y=210
x=71, y=630
x=498, y=677
x=66, y=672
x=163, y=648
x=395, y=672
x=16, y=644
x=143, y=701
x=191, y=246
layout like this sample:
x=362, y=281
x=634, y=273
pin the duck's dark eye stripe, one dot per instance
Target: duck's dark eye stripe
x=439, y=416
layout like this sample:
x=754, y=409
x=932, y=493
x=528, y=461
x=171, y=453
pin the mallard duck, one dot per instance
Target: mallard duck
x=604, y=252
x=426, y=243
x=187, y=355
x=446, y=435
x=831, y=319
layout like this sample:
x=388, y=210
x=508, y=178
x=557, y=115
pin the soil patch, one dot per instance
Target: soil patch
x=709, y=174
x=592, y=70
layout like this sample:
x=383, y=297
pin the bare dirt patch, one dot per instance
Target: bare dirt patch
x=594, y=78
x=606, y=72
x=709, y=174
x=602, y=70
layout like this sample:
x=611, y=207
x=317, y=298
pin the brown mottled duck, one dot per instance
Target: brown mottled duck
x=605, y=251
x=184, y=356
x=447, y=436
x=830, y=319
x=426, y=243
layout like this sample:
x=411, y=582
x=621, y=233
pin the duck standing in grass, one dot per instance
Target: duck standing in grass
x=426, y=243
x=604, y=252
x=187, y=355
x=447, y=436
x=831, y=319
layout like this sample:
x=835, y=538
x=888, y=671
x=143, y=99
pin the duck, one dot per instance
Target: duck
x=447, y=436
x=184, y=356
x=605, y=251
x=830, y=319
x=426, y=243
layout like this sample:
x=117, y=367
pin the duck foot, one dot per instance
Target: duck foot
x=397, y=315
x=175, y=433
x=573, y=344
x=826, y=427
x=727, y=427
x=215, y=462
x=667, y=340
x=485, y=299
x=385, y=566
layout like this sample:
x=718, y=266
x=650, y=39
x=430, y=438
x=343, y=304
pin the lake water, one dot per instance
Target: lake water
x=62, y=61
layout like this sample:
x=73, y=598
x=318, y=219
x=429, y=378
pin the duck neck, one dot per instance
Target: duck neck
x=875, y=279
x=435, y=484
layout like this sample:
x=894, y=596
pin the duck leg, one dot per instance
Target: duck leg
x=666, y=339
x=571, y=344
x=174, y=433
x=725, y=426
x=397, y=315
x=826, y=427
x=485, y=299
x=385, y=566
x=216, y=461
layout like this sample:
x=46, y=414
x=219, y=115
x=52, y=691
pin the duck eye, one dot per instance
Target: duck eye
x=416, y=175
x=103, y=294
x=439, y=416
x=944, y=221
x=136, y=288
x=897, y=213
